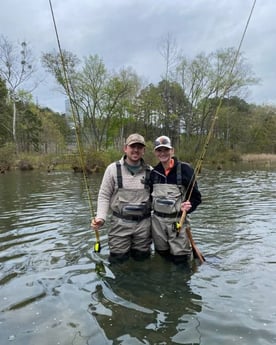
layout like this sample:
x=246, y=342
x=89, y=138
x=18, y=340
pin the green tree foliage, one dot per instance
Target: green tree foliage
x=63, y=67
x=262, y=130
x=108, y=106
x=98, y=97
x=145, y=115
x=29, y=128
x=5, y=116
x=232, y=122
x=211, y=77
x=163, y=108
x=39, y=130
x=51, y=140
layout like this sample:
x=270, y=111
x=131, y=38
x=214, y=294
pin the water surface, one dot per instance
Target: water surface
x=55, y=290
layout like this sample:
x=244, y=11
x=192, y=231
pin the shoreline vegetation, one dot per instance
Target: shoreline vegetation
x=264, y=160
x=120, y=102
x=71, y=162
x=261, y=157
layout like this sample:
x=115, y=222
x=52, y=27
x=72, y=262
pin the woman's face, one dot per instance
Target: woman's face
x=163, y=154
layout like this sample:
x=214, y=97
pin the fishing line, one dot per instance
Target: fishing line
x=211, y=130
x=215, y=117
x=200, y=160
x=70, y=93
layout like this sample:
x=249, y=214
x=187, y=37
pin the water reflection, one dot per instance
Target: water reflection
x=55, y=290
x=151, y=303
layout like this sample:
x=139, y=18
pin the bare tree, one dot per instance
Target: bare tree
x=170, y=53
x=16, y=69
x=207, y=78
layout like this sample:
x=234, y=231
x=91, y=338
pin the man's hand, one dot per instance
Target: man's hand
x=96, y=223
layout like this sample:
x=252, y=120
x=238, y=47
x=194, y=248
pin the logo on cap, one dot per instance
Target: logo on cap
x=162, y=141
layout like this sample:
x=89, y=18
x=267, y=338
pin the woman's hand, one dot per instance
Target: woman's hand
x=186, y=206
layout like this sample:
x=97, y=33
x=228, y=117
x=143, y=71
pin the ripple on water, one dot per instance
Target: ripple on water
x=54, y=289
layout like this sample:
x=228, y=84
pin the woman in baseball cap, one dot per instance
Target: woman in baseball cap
x=171, y=182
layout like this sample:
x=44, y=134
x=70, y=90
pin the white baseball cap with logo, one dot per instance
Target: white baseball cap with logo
x=162, y=141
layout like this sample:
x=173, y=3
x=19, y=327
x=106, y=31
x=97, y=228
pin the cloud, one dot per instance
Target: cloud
x=128, y=33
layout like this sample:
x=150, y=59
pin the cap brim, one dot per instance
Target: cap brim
x=136, y=142
x=167, y=146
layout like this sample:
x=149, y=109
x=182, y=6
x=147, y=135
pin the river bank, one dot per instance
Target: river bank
x=263, y=160
x=262, y=157
x=70, y=162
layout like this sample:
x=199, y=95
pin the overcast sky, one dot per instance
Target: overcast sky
x=128, y=33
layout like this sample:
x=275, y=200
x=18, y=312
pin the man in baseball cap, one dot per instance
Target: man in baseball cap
x=125, y=191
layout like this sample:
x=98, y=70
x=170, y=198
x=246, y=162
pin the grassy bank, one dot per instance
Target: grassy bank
x=262, y=157
x=260, y=161
x=97, y=161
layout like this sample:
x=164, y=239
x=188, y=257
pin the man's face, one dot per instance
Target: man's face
x=134, y=152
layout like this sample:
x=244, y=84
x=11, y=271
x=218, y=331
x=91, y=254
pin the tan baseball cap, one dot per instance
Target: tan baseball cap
x=135, y=139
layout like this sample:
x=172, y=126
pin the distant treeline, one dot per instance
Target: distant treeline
x=105, y=107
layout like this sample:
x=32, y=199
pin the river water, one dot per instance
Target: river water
x=55, y=290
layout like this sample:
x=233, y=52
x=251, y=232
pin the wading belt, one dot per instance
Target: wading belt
x=167, y=215
x=132, y=218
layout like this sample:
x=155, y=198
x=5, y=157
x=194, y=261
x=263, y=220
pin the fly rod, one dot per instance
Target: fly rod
x=210, y=133
x=70, y=94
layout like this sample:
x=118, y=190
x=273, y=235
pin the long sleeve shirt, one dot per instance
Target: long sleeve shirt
x=109, y=185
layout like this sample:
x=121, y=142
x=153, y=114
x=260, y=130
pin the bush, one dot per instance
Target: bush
x=7, y=156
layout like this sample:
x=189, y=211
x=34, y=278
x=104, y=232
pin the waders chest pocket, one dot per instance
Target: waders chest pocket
x=164, y=205
x=133, y=210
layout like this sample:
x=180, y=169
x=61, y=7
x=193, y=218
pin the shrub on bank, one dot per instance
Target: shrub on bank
x=97, y=161
x=7, y=157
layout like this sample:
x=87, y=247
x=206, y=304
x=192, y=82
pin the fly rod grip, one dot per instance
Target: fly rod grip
x=182, y=219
